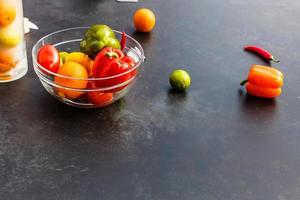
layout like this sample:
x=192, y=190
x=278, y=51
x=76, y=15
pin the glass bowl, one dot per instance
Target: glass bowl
x=98, y=92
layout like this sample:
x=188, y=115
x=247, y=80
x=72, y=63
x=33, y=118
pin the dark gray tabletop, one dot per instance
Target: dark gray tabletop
x=212, y=143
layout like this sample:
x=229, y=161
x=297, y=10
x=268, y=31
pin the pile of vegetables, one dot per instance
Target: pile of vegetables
x=100, y=58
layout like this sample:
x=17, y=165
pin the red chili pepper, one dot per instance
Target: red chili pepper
x=123, y=41
x=112, y=62
x=261, y=52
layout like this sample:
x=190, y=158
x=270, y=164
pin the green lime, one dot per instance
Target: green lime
x=63, y=55
x=180, y=80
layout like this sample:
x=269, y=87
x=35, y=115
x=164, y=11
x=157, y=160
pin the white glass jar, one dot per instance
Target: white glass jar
x=13, y=58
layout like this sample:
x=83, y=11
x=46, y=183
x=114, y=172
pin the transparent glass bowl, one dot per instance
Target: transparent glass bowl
x=105, y=90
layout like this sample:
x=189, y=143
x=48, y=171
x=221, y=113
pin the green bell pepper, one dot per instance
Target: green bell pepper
x=96, y=38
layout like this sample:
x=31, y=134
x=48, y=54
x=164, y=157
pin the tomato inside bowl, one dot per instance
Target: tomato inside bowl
x=90, y=92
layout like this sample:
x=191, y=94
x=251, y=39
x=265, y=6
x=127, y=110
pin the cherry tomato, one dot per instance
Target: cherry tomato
x=48, y=57
x=99, y=98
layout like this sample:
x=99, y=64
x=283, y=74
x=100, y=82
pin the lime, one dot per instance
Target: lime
x=180, y=80
x=63, y=56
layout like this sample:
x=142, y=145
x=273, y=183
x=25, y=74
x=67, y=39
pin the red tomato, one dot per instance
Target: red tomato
x=48, y=57
x=99, y=98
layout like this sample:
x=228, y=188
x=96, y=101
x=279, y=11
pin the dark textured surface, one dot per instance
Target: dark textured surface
x=211, y=143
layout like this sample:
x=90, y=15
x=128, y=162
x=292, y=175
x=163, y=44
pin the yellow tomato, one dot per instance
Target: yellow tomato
x=82, y=59
x=9, y=38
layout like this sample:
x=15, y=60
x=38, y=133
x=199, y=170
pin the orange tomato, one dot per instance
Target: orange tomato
x=6, y=62
x=5, y=67
x=72, y=70
x=8, y=12
x=144, y=20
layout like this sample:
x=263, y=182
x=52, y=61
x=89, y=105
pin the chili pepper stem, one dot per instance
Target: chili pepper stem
x=274, y=60
x=242, y=83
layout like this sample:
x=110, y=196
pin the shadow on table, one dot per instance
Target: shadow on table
x=175, y=97
x=251, y=103
x=143, y=38
x=77, y=121
x=176, y=94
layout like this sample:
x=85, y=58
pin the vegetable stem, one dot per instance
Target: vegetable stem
x=242, y=83
x=112, y=55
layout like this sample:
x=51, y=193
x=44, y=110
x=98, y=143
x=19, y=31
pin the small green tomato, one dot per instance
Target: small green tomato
x=63, y=56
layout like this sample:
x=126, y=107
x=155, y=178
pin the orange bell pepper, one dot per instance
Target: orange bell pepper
x=264, y=81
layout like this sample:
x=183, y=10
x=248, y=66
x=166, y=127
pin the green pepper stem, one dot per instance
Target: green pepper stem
x=242, y=83
x=112, y=55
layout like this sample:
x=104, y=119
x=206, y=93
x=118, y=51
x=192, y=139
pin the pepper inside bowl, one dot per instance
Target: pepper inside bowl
x=92, y=91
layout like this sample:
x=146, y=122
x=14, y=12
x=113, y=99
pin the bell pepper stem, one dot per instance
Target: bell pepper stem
x=112, y=55
x=242, y=83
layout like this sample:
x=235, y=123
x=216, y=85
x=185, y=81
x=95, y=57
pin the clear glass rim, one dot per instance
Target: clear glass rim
x=98, y=89
x=42, y=70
